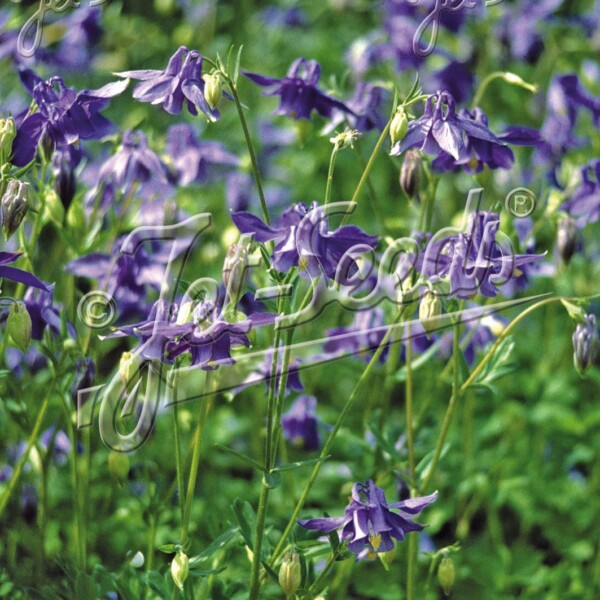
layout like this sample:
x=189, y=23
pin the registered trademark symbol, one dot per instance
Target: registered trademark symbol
x=520, y=202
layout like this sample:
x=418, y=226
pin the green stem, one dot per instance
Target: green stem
x=176, y=433
x=315, y=587
x=451, y=406
x=327, y=447
x=500, y=75
x=412, y=540
x=196, y=445
x=261, y=516
x=257, y=178
x=330, y=173
x=30, y=442
x=368, y=168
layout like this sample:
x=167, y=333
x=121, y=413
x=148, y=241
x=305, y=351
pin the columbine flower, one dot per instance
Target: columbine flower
x=300, y=423
x=584, y=204
x=365, y=104
x=473, y=260
x=586, y=344
x=180, y=82
x=298, y=91
x=63, y=115
x=441, y=129
x=368, y=519
x=302, y=239
x=478, y=152
x=191, y=158
x=59, y=442
x=18, y=275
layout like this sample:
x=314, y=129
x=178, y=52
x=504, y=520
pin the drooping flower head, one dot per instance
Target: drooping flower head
x=298, y=91
x=475, y=260
x=586, y=344
x=369, y=520
x=181, y=82
x=584, y=204
x=63, y=116
x=19, y=275
x=302, y=238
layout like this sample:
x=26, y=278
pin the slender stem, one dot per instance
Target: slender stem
x=500, y=339
x=261, y=516
x=196, y=444
x=23, y=459
x=151, y=541
x=368, y=168
x=330, y=173
x=500, y=75
x=176, y=434
x=412, y=540
x=327, y=447
x=315, y=587
x=257, y=178
x=451, y=406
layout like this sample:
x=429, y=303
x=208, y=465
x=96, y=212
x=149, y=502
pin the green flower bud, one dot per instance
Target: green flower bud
x=8, y=132
x=129, y=366
x=18, y=325
x=290, y=575
x=213, y=89
x=53, y=207
x=118, y=465
x=399, y=126
x=446, y=574
x=234, y=270
x=180, y=569
x=430, y=310
x=14, y=206
x=76, y=221
x=410, y=173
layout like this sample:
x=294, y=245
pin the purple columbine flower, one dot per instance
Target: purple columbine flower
x=473, y=261
x=456, y=78
x=63, y=116
x=302, y=239
x=85, y=373
x=477, y=152
x=369, y=519
x=584, y=204
x=180, y=82
x=441, y=130
x=19, y=275
x=366, y=104
x=300, y=424
x=60, y=443
x=44, y=313
x=128, y=277
x=191, y=158
x=298, y=91
x=566, y=96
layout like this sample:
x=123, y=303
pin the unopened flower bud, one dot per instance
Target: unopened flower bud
x=290, y=575
x=398, y=126
x=410, y=173
x=586, y=344
x=430, y=310
x=118, y=465
x=180, y=569
x=18, y=325
x=8, y=132
x=234, y=270
x=566, y=239
x=213, y=89
x=446, y=574
x=129, y=366
x=14, y=206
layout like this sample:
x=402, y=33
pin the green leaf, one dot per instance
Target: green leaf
x=422, y=469
x=299, y=464
x=236, y=66
x=270, y=572
x=577, y=313
x=168, y=548
x=246, y=459
x=217, y=544
x=272, y=480
x=499, y=365
x=157, y=583
x=84, y=586
x=245, y=516
x=385, y=444
x=206, y=572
